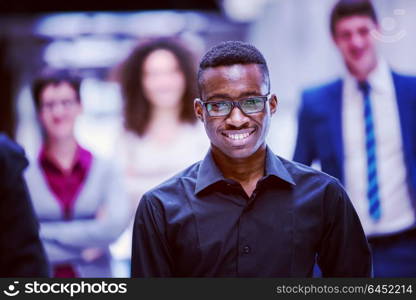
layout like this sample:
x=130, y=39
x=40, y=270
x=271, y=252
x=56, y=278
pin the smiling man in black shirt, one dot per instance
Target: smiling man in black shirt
x=243, y=211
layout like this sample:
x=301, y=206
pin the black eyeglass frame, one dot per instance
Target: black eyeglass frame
x=233, y=103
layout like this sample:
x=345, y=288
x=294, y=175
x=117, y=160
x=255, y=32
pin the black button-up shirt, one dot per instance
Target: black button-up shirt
x=199, y=223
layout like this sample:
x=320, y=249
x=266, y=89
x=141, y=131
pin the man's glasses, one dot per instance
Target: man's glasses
x=251, y=105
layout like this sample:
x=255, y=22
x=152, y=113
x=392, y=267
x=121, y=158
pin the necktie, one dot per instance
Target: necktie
x=370, y=142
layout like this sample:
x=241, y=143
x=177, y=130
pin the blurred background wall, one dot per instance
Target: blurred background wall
x=292, y=34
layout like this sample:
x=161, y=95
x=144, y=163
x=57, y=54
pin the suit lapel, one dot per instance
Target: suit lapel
x=404, y=109
x=335, y=125
x=405, y=104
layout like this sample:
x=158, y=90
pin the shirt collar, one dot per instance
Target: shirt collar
x=209, y=173
x=275, y=168
x=380, y=79
x=82, y=159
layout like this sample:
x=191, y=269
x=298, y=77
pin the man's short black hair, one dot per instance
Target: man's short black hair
x=232, y=53
x=54, y=77
x=348, y=8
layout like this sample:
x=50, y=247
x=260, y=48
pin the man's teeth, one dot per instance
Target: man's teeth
x=239, y=136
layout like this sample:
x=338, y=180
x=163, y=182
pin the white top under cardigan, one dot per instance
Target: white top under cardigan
x=147, y=164
x=64, y=240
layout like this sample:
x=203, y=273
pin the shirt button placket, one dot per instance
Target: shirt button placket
x=246, y=252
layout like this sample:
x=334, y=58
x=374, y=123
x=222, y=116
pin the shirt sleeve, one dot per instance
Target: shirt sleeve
x=344, y=250
x=151, y=255
x=58, y=254
x=100, y=231
x=21, y=251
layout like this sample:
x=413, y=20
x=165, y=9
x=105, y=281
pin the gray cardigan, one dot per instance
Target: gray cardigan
x=64, y=241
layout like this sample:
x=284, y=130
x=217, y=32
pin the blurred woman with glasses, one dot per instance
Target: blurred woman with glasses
x=78, y=197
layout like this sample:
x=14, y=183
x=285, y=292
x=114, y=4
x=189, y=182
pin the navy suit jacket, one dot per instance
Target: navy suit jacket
x=320, y=128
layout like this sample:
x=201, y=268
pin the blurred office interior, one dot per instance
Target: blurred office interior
x=94, y=39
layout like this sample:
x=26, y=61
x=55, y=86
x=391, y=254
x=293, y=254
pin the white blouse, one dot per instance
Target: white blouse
x=147, y=164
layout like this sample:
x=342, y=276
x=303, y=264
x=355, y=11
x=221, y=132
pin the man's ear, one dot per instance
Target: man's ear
x=379, y=32
x=81, y=107
x=273, y=102
x=199, y=110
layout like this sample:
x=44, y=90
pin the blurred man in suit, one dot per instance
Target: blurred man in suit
x=362, y=130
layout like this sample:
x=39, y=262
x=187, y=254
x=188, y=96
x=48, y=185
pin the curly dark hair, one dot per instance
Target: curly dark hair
x=137, y=107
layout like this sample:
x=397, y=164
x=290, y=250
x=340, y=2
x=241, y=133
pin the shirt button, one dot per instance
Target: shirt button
x=246, y=249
